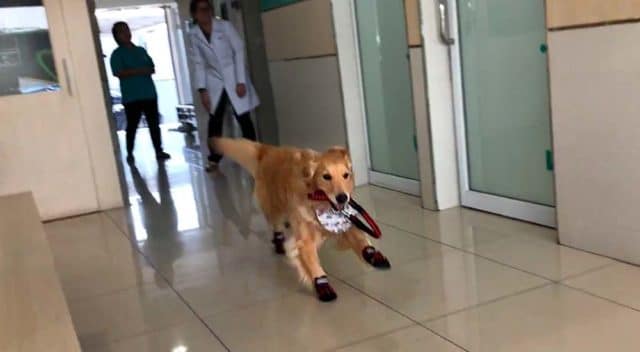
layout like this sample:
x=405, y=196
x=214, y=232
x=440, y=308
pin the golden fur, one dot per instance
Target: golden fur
x=284, y=177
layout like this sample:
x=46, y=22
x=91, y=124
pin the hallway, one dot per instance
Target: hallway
x=189, y=267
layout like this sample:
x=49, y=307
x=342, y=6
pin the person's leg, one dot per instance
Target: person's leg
x=133, y=112
x=246, y=125
x=152, y=115
x=215, y=126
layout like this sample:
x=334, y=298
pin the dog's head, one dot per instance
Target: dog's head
x=331, y=173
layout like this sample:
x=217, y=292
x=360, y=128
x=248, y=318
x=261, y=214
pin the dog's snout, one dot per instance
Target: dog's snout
x=342, y=198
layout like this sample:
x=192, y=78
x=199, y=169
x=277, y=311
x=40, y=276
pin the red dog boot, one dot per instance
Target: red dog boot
x=375, y=258
x=324, y=290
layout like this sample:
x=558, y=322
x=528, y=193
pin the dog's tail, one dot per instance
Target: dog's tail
x=242, y=151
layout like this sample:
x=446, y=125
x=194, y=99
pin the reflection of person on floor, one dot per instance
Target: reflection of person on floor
x=224, y=193
x=220, y=75
x=160, y=219
x=134, y=67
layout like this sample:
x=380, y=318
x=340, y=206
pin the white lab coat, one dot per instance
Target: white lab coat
x=220, y=65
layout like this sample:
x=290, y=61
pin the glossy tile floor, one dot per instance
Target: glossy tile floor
x=189, y=267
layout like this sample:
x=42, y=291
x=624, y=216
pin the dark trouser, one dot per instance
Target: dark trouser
x=134, y=111
x=216, y=120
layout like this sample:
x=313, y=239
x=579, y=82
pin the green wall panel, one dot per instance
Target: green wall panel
x=266, y=5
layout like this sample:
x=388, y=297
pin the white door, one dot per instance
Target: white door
x=43, y=145
x=501, y=92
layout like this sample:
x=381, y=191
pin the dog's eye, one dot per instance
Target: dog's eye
x=346, y=175
x=327, y=177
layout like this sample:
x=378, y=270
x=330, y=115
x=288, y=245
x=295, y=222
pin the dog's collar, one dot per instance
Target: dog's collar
x=373, y=230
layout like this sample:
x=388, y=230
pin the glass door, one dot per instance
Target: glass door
x=386, y=78
x=502, y=106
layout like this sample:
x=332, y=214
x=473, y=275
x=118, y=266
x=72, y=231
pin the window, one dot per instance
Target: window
x=26, y=58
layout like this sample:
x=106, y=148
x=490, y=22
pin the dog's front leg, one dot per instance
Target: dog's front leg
x=310, y=260
x=362, y=247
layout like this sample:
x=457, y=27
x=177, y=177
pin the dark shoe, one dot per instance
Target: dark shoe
x=162, y=156
x=375, y=258
x=211, y=166
x=216, y=158
x=130, y=159
x=324, y=291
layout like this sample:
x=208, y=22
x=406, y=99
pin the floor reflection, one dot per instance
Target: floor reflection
x=182, y=217
x=234, y=197
x=157, y=217
x=457, y=272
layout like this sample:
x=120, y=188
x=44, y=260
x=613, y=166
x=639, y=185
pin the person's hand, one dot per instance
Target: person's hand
x=241, y=90
x=206, y=101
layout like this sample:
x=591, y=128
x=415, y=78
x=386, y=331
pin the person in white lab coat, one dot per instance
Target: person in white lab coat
x=220, y=75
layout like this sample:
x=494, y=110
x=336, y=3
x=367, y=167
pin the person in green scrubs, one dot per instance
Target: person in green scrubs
x=134, y=67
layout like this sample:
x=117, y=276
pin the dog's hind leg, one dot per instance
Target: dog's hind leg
x=272, y=216
x=279, y=238
x=278, y=226
x=360, y=244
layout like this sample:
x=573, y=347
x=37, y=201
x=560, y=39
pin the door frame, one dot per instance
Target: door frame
x=513, y=208
x=178, y=47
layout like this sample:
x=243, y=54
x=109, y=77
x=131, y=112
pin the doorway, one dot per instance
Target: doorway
x=160, y=31
x=501, y=99
x=388, y=96
x=149, y=30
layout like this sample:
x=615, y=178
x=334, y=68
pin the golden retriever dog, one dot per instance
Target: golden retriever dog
x=284, y=179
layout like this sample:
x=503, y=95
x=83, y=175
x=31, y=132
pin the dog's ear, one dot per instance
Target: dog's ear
x=309, y=159
x=309, y=169
x=308, y=173
x=341, y=151
x=338, y=150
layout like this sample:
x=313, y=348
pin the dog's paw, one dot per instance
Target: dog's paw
x=324, y=290
x=375, y=258
x=278, y=243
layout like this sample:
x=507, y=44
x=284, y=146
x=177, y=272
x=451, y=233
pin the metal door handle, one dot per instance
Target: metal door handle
x=443, y=8
x=67, y=77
